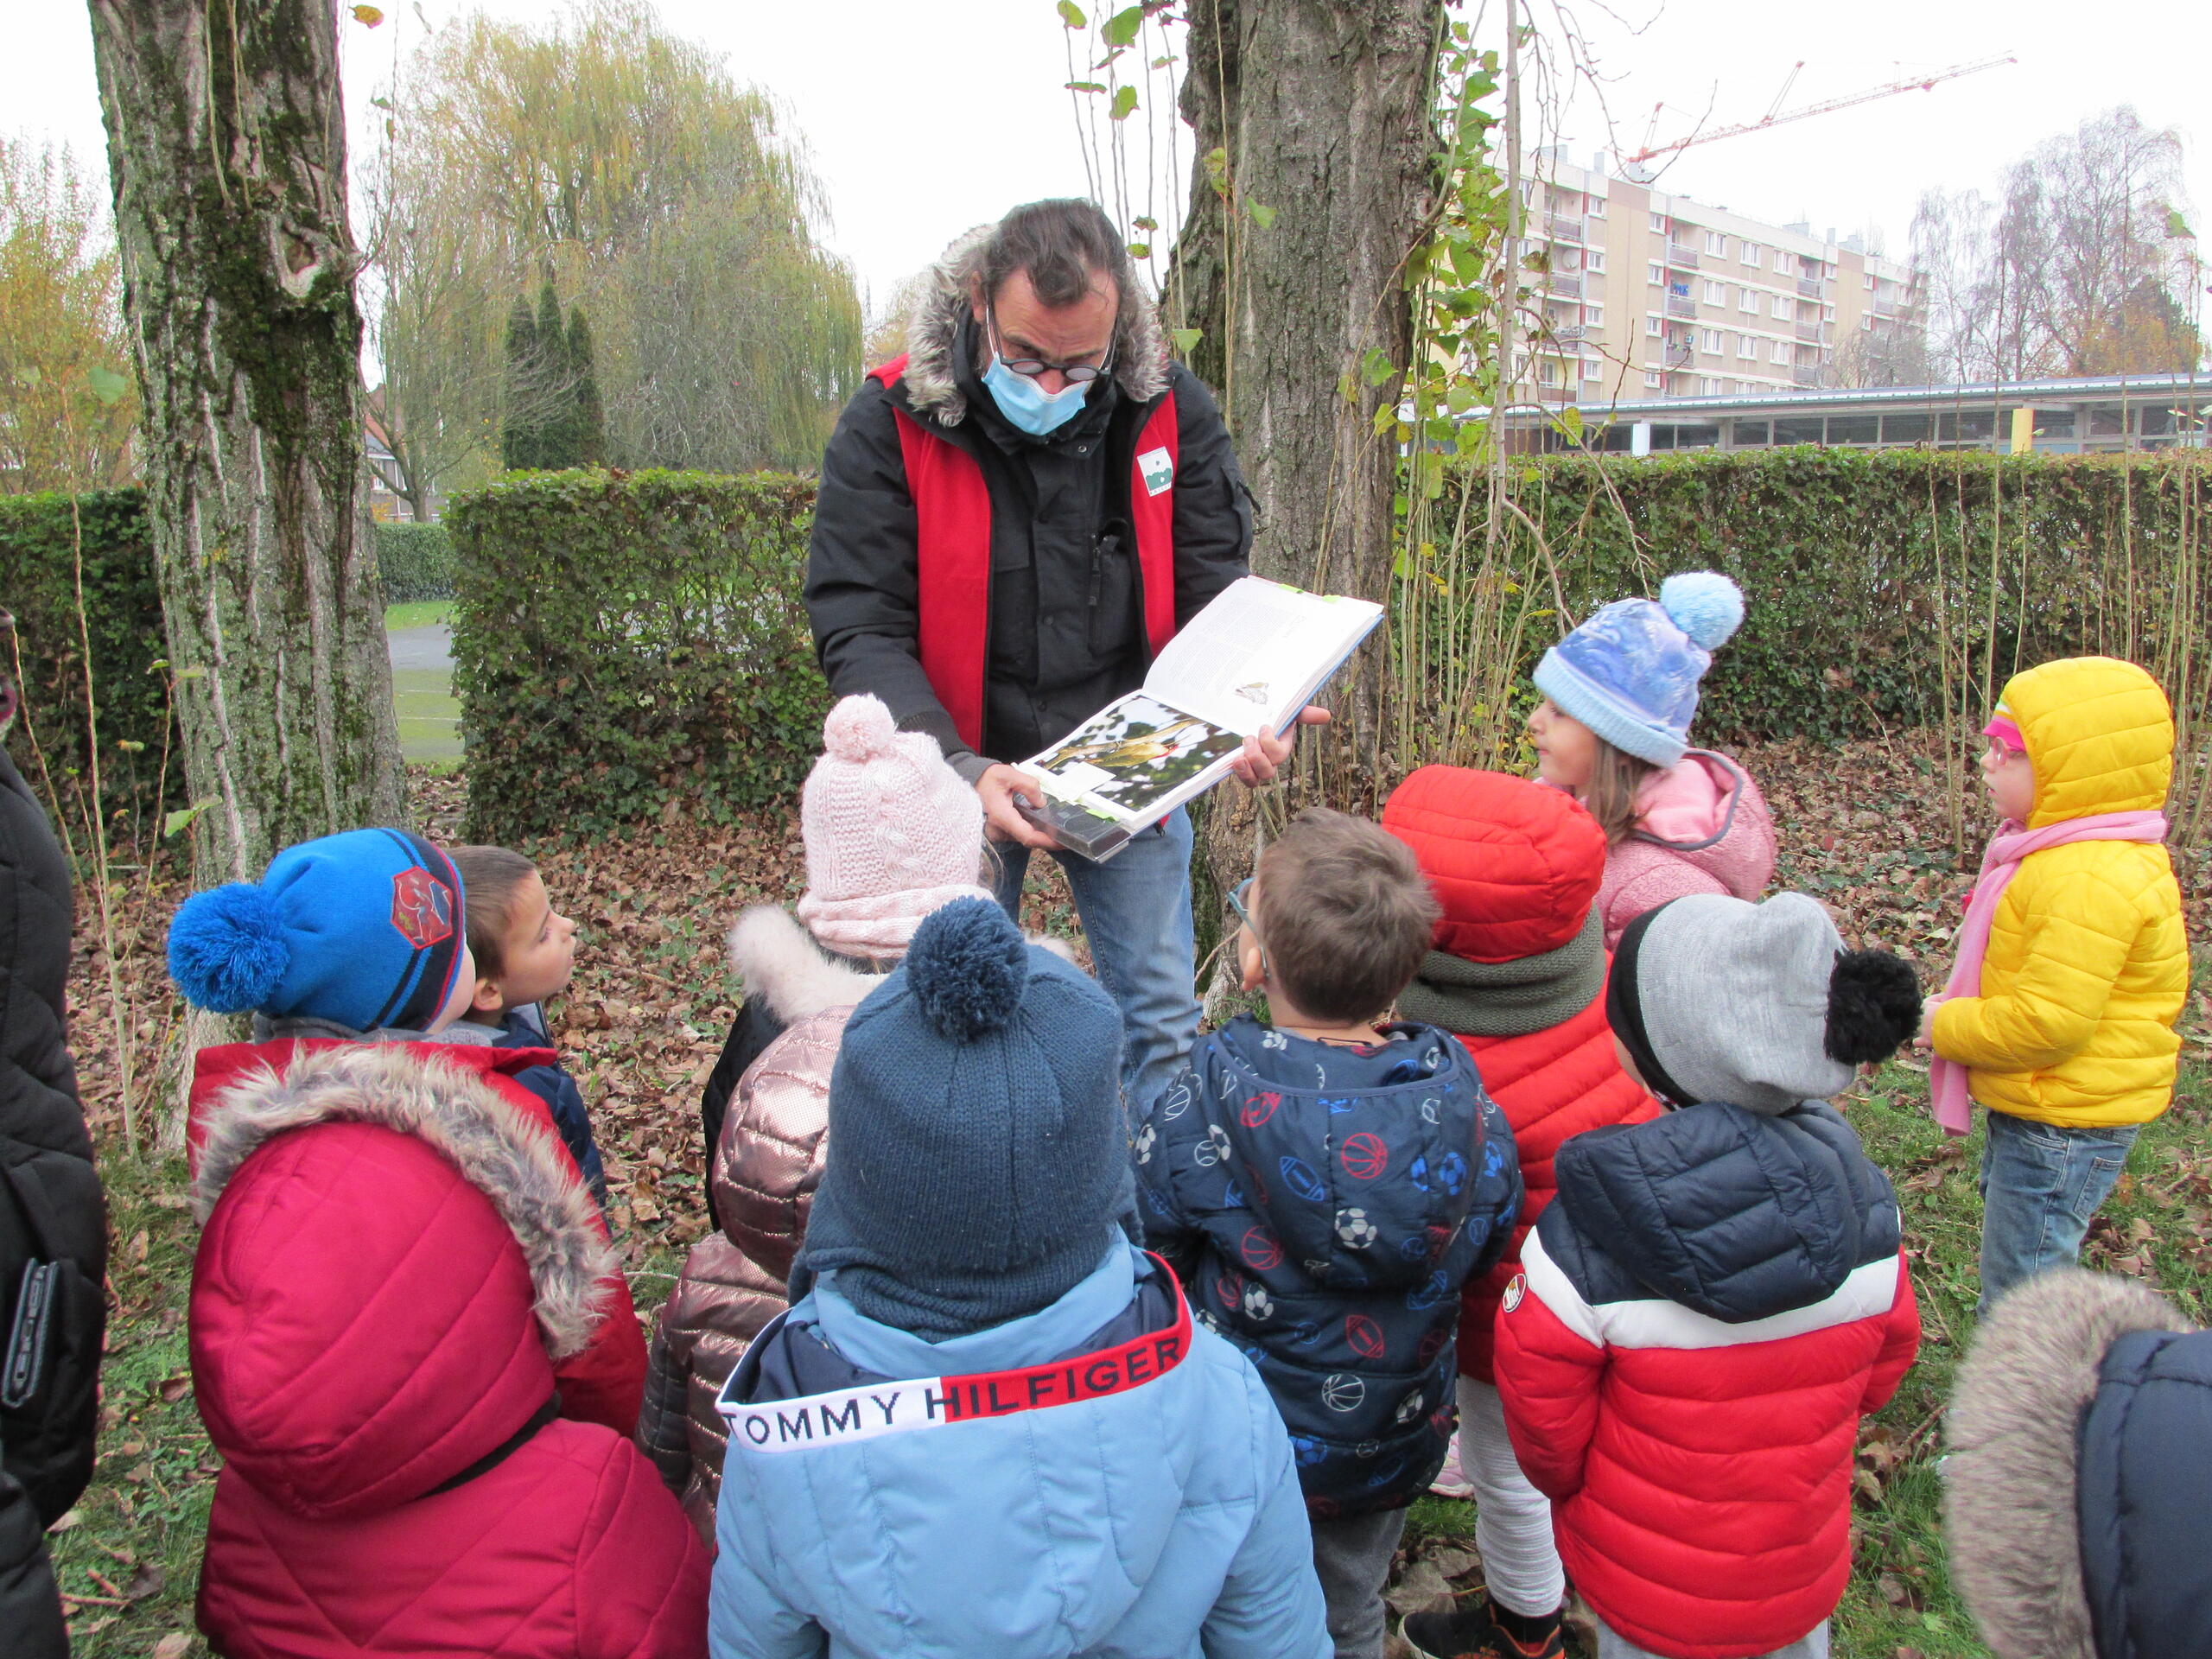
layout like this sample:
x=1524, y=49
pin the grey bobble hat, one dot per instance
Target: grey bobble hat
x=1717, y=999
x=978, y=1155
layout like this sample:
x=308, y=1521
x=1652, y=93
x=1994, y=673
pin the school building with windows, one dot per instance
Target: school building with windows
x=2106, y=414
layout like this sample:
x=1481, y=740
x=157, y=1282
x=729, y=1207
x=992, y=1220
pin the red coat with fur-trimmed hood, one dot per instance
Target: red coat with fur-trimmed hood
x=1518, y=972
x=603, y=1382
x=395, y=1259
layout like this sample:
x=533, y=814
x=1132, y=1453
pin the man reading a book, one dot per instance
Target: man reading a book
x=1013, y=519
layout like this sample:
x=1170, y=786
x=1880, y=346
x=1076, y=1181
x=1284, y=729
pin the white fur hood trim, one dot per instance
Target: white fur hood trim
x=514, y=1162
x=776, y=960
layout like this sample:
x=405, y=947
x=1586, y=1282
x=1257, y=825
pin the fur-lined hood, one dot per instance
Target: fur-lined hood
x=2012, y=1491
x=394, y=1257
x=1141, y=367
x=778, y=960
x=513, y=1162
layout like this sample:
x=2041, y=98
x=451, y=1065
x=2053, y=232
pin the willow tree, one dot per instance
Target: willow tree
x=659, y=192
x=66, y=417
x=226, y=149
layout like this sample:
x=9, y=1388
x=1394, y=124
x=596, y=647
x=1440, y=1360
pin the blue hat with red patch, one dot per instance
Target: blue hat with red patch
x=363, y=930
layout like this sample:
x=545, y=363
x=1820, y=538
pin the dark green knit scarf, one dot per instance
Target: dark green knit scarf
x=1510, y=999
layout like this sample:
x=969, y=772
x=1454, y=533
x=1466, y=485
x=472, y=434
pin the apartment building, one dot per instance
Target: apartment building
x=1646, y=295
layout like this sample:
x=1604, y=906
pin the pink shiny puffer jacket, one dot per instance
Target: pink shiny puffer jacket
x=1701, y=826
x=764, y=1172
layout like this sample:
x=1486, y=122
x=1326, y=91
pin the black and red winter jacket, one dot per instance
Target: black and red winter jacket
x=996, y=589
x=1711, y=1304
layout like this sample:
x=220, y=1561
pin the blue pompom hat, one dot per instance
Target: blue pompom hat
x=1630, y=672
x=362, y=930
x=978, y=1152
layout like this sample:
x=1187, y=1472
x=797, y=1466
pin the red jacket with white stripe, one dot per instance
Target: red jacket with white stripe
x=1704, y=1314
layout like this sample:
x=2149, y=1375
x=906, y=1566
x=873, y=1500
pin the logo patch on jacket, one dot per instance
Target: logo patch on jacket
x=1515, y=1292
x=422, y=907
x=1157, y=468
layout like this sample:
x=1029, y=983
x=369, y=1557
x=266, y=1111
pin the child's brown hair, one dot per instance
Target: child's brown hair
x=490, y=877
x=1344, y=913
x=1615, y=778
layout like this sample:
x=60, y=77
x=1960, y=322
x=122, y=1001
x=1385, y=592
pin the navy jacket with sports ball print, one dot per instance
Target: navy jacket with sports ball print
x=1324, y=1205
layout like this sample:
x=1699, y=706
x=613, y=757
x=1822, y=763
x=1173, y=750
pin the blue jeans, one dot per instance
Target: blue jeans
x=2041, y=1185
x=1136, y=912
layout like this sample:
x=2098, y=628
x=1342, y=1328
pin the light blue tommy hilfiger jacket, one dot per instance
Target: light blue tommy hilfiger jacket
x=1157, y=1522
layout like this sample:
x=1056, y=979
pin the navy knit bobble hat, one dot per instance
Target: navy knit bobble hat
x=363, y=930
x=978, y=1154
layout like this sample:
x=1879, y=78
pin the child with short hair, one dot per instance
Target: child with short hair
x=1613, y=731
x=989, y=1425
x=2073, y=964
x=362, y=937
x=1327, y=1183
x=1716, y=1297
x=525, y=952
x=1517, y=973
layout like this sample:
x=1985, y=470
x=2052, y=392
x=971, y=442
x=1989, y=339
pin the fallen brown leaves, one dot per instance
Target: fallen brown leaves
x=1865, y=827
x=1861, y=826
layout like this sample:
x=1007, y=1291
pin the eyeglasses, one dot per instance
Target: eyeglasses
x=1075, y=374
x=1238, y=903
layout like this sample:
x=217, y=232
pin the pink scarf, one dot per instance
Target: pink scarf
x=1946, y=1080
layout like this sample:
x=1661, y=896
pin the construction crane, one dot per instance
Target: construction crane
x=1919, y=83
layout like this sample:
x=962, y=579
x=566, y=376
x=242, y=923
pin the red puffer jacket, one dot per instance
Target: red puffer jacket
x=393, y=1259
x=1703, y=1317
x=604, y=1381
x=1517, y=867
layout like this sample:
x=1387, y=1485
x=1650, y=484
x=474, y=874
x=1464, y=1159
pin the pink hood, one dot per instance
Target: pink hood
x=1701, y=826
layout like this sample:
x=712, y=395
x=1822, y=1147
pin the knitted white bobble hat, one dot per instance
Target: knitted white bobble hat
x=892, y=833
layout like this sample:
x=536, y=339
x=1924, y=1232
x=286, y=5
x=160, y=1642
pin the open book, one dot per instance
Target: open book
x=1250, y=661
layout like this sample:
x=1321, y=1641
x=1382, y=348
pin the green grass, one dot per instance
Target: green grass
x=430, y=716
x=423, y=699
x=2156, y=1225
x=130, y=1551
x=419, y=615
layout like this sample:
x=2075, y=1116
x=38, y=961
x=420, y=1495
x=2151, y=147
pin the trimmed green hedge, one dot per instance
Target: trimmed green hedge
x=627, y=641
x=414, y=561
x=1854, y=564
x=123, y=615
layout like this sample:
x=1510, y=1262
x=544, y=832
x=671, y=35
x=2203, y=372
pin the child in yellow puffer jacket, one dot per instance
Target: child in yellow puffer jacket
x=2072, y=963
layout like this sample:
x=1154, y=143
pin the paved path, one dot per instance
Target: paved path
x=422, y=693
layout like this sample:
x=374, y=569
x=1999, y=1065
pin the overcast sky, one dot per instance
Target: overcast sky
x=925, y=117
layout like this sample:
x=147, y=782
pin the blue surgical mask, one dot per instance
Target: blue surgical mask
x=1027, y=405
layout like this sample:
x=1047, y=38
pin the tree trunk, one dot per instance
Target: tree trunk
x=1314, y=175
x=226, y=147
x=1323, y=112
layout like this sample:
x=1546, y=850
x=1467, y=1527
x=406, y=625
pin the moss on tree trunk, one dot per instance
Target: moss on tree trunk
x=226, y=149
x=1292, y=264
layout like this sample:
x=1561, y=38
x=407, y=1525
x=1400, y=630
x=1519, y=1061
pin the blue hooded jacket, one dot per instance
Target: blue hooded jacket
x=1326, y=1205
x=1157, y=1522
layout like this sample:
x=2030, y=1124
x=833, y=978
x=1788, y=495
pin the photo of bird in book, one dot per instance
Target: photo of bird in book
x=1146, y=749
